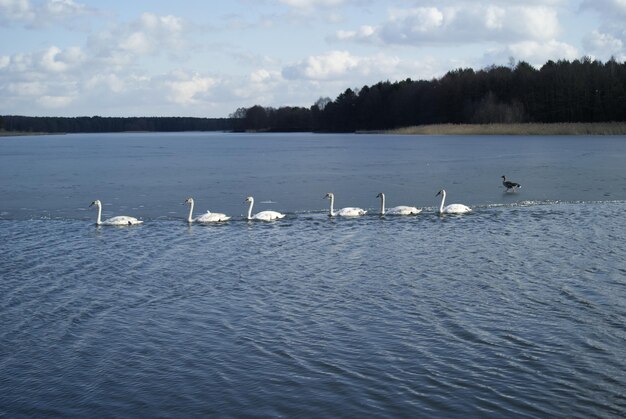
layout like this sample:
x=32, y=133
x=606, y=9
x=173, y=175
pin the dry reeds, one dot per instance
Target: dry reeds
x=575, y=128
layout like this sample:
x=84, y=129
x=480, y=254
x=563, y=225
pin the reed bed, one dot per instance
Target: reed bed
x=575, y=128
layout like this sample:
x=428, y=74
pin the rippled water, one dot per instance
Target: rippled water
x=516, y=310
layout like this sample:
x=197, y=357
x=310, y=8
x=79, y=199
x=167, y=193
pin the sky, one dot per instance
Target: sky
x=207, y=58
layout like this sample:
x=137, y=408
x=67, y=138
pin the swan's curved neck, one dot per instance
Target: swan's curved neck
x=189, y=219
x=443, y=200
x=99, y=220
x=382, y=204
x=332, y=202
x=250, y=209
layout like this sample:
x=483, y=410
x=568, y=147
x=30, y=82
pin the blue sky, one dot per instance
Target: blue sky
x=208, y=58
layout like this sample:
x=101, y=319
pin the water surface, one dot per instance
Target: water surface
x=151, y=174
x=515, y=310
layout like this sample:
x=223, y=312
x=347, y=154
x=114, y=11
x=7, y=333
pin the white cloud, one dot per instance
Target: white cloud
x=363, y=33
x=138, y=43
x=421, y=19
x=113, y=72
x=64, y=8
x=603, y=45
x=495, y=17
x=16, y=11
x=49, y=61
x=263, y=76
x=533, y=52
x=56, y=60
x=151, y=34
x=343, y=66
x=185, y=89
x=310, y=4
x=611, y=9
x=26, y=89
x=460, y=24
x=127, y=67
x=111, y=82
x=259, y=87
x=55, y=102
x=610, y=40
x=42, y=64
x=41, y=14
x=19, y=64
x=332, y=65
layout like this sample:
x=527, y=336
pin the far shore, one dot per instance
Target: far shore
x=560, y=128
x=566, y=128
x=4, y=133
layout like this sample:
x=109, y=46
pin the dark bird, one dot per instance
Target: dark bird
x=510, y=185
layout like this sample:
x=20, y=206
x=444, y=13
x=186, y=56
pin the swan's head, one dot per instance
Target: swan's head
x=441, y=192
x=97, y=203
x=249, y=199
x=380, y=195
x=329, y=195
x=188, y=201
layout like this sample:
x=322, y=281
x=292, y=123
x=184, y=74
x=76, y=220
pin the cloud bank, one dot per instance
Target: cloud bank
x=67, y=58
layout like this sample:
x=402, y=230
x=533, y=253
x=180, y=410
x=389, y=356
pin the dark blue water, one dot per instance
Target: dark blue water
x=516, y=310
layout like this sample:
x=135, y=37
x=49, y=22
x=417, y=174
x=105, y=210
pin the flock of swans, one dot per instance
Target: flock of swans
x=217, y=217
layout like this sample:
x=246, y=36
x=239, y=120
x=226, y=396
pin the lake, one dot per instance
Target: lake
x=517, y=309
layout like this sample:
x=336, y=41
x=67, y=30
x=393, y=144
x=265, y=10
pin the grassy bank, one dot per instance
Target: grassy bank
x=600, y=128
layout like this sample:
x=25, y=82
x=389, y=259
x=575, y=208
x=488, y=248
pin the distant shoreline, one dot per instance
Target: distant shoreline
x=26, y=133
x=558, y=128
x=565, y=128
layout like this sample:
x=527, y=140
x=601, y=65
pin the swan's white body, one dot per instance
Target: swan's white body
x=452, y=208
x=120, y=220
x=399, y=210
x=208, y=217
x=263, y=215
x=343, y=212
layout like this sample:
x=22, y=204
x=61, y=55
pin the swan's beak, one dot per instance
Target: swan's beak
x=92, y=204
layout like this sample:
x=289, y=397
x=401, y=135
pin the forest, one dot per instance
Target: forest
x=579, y=91
x=582, y=90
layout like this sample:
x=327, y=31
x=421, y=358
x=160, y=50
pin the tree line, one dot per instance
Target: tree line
x=112, y=124
x=583, y=90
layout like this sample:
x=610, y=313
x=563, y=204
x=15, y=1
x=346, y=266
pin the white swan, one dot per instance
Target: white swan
x=208, y=217
x=344, y=212
x=120, y=220
x=263, y=215
x=399, y=210
x=452, y=208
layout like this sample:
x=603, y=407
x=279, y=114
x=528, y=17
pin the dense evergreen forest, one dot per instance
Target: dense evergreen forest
x=579, y=91
x=100, y=124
